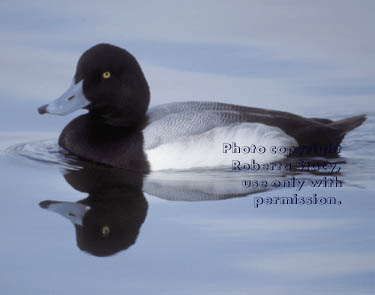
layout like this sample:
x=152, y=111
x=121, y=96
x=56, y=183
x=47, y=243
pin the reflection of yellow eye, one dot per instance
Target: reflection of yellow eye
x=106, y=75
x=105, y=230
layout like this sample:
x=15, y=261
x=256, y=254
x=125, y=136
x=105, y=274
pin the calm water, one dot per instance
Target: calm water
x=84, y=229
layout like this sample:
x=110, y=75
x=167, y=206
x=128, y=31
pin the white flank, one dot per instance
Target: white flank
x=206, y=150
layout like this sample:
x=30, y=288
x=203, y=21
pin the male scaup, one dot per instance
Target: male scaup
x=120, y=131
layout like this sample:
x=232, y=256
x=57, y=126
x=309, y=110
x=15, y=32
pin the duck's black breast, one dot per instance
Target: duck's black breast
x=90, y=138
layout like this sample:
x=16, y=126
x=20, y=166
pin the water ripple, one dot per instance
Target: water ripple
x=45, y=152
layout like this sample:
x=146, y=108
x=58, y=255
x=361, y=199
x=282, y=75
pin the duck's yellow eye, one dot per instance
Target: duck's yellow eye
x=106, y=75
x=105, y=230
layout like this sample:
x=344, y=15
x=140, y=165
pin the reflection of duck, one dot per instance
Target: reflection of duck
x=110, y=84
x=109, y=219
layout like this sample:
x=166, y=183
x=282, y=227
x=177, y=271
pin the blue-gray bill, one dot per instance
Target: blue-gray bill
x=71, y=100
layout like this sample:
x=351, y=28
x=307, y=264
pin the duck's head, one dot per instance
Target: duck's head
x=109, y=83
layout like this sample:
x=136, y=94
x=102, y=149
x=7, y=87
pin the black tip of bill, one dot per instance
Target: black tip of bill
x=43, y=109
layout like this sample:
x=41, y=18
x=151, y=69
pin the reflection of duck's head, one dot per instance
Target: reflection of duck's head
x=109, y=219
x=112, y=224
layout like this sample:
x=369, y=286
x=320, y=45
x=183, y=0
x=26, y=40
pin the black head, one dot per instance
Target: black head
x=109, y=83
x=114, y=84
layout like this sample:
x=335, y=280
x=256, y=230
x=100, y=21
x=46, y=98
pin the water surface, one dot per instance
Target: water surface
x=70, y=228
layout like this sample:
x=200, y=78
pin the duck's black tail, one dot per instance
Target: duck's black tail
x=327, y=132
x=348, y=124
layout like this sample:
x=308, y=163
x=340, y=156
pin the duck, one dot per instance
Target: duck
x=120, y=130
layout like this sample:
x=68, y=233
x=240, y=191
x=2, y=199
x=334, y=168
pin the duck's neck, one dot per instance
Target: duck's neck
x=121, y=120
